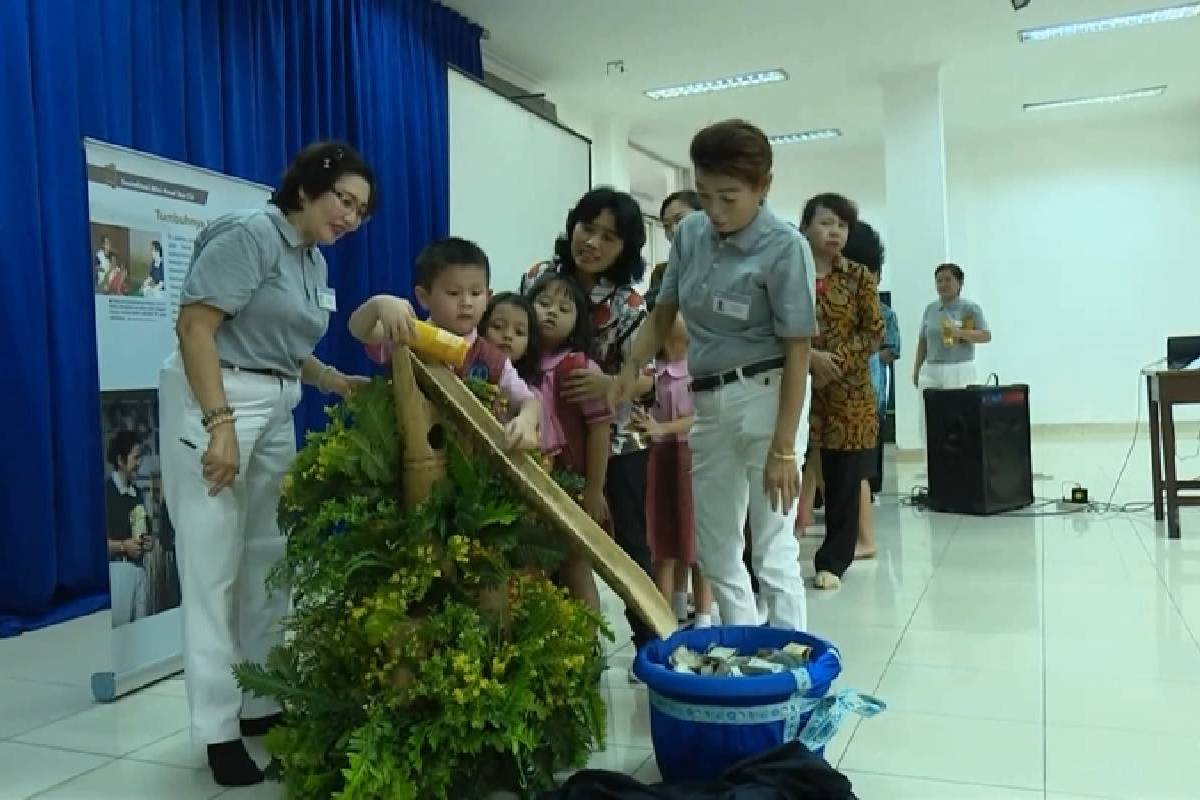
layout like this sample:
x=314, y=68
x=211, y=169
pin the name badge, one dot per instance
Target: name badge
x=327, y=299
x=736, y=306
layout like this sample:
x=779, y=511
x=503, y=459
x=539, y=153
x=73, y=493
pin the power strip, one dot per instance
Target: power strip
x=1078, y=501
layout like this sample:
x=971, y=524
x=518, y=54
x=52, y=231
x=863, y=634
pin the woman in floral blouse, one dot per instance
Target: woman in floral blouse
x=602, y=250
x=845, y=423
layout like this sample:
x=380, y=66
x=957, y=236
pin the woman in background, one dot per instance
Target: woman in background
x=677, y=206
x=950, y=328
x=844, y=421
x=601, y=248
x=864, y=246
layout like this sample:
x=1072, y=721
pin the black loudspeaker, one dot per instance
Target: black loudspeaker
x=978, y=449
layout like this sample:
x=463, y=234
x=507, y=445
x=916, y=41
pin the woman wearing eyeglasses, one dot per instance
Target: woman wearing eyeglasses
x=253, y=306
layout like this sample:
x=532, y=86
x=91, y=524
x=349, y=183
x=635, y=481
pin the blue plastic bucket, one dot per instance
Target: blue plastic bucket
x=702, y=725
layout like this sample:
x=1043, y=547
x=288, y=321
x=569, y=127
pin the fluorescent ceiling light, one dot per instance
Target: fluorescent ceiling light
x=1110, y=23
x=1133, y=94
x=717, y=84
x=805, y=136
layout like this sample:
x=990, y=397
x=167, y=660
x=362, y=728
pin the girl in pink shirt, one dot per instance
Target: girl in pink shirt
x=574, y=434
x=669, y=516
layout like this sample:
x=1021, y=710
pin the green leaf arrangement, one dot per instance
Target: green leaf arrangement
x=427, y=654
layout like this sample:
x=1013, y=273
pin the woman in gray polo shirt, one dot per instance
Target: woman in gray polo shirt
x=743, y=279
x=254, y=305
x=950, y=328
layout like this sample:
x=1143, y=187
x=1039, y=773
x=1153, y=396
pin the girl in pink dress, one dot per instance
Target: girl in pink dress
x=669, y=513
x=574, y=434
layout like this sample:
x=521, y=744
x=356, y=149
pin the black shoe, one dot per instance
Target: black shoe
x=260, y=726
x=232, y=766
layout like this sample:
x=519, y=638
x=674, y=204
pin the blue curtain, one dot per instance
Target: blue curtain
x=237, y=86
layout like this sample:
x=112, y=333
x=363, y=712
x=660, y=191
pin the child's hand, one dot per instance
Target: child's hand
x=596, y=506
x=586, y=384
x=396, y=317
x=521, y=434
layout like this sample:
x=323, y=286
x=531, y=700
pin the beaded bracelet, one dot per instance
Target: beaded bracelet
x=217, y=420
x=223, y=411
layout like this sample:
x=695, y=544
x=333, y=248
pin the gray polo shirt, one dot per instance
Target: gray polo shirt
x=740, y=295
x=960, y=312
x=254, y=266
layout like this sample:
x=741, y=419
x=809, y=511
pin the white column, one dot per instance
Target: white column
x=917, y=226
x=610, y=152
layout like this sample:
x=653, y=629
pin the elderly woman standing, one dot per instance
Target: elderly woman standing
x=845, y=423
x=254, y=305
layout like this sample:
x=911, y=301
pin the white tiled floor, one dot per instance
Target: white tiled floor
x=1027, y=657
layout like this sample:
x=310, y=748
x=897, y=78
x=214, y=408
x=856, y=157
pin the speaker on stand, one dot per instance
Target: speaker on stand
x=978, y=449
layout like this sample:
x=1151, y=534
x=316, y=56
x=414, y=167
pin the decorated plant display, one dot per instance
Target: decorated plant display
x=428, y=655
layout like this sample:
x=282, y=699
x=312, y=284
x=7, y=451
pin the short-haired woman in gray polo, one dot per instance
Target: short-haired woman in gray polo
x=950, y=328
x=255, y=303
x=743, y=279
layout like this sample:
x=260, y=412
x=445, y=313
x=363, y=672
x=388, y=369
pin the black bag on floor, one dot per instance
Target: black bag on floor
x=789, y=772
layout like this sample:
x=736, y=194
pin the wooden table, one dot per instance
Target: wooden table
x=1166, y=389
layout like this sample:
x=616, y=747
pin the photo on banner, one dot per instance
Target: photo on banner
x=143, y=575
x=129, y=263
x=144, y=213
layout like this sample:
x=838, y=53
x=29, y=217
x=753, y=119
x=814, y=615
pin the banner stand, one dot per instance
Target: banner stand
x=144, y=213
x=108, y=686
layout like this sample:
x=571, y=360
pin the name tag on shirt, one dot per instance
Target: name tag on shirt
x=327, y=299
x=736, y=306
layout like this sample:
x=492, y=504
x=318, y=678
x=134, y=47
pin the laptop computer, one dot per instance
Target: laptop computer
x=1182, y=351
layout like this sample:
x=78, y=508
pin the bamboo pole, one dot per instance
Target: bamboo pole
x=423, y=464
x=416, y=384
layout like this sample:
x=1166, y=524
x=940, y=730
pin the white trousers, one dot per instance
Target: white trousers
x=942, y=376
x=730, y=440
x=128, y=588
x=227, y=544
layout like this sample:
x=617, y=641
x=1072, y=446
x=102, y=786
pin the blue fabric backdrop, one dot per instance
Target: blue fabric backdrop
x=237, y=86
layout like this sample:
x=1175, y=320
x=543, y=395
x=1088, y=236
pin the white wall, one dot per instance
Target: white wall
x=804, y=170
x=546, y=165
x=1079, y=243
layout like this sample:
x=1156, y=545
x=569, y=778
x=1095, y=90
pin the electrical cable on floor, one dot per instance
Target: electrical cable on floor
x=918, y=496
x=1137, y=427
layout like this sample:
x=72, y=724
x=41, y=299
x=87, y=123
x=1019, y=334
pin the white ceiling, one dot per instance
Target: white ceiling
x=838, y=53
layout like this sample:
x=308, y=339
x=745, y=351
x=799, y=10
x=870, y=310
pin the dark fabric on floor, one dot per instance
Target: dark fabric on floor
x=789, y=772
